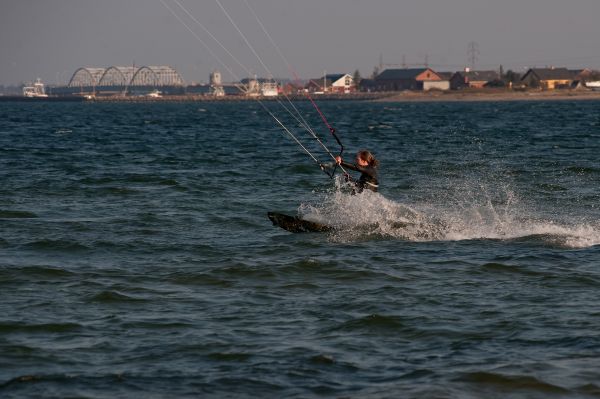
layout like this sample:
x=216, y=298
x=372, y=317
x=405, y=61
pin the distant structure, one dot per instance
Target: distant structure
x=473, y=52
x=123, y=80
x=36, y=90
x=332, y=83
x=409, y=79
x=258, y=87
x=269, y=89
x=473, y=79
x=549, y=78
x=216, y=84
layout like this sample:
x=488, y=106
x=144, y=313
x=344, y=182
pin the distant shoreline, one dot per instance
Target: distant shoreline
x=492, y=95
x=481, y=95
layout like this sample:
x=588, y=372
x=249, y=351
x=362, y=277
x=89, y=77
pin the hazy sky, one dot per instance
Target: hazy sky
x=50, y=39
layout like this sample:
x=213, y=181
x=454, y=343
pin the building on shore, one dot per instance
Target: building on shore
x=216, y=84
x=332, y=83
x=408, y=79
x=292, y=88
x=549, y=78
x=473, y=79
x=258, y=87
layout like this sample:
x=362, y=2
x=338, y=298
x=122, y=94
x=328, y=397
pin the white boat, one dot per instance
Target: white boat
x=37, y=90
x=595, y=85
x=269, y=89
x=154, y=94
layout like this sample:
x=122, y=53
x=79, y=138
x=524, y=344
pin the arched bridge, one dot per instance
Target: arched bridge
x=119, y=77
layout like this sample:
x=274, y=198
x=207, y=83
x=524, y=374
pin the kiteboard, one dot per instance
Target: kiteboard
x=295, y=224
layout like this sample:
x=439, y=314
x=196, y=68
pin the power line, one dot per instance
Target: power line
x=473, y=52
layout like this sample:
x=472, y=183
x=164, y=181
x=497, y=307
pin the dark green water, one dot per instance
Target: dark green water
x=136, y=259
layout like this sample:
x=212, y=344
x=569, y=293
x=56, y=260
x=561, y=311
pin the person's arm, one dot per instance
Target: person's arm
x=370, y=171
x=367, y=170
x=351, y=166
x=346, y=165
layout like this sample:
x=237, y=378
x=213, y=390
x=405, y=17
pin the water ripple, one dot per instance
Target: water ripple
x=512, y=383
x=136, y=258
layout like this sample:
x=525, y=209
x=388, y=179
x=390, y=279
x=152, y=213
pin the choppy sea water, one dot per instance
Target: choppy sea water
x=136, y=258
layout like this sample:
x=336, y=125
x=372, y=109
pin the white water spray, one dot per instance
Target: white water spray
x=369, y=215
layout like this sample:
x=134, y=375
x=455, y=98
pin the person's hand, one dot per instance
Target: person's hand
x=338, y=160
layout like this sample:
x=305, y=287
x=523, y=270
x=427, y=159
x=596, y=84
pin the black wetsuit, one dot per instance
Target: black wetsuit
x=368, y=176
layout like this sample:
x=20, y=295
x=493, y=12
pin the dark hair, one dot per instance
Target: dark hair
x=368, y=157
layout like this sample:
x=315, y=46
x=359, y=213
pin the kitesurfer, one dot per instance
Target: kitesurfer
x=366, y=164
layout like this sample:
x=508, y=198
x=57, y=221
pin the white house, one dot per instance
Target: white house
x=332, y=83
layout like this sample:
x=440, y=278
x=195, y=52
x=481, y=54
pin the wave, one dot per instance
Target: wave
x=8, y=327
x=583, y=170
x=57, y=245
x=371, y=215
x=91, y=381
x=200, y=279
x=113, y=297
x=547, y=187
x=502, y=268
x=512, y=382
x=322, y=359
x=159, y=324
x=118, y=191
x=229, y=356
x=21, y=379
x=330, y=269
x=128, y=184
x=8, y=214
x=372, y=322
x=38, y=272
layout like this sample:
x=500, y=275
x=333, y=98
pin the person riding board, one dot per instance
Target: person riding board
x=366, y=164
